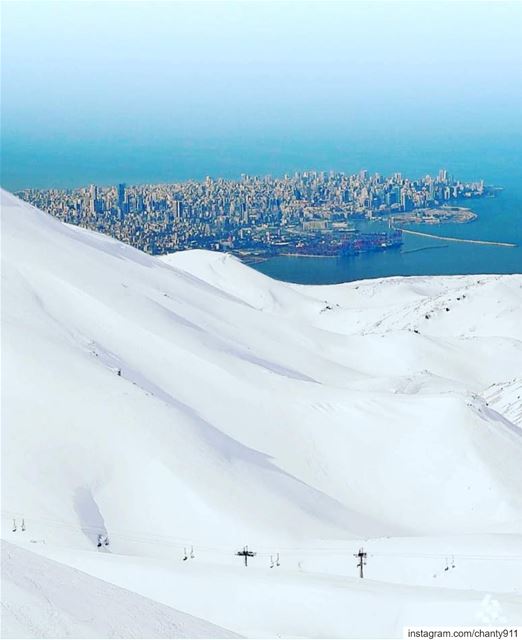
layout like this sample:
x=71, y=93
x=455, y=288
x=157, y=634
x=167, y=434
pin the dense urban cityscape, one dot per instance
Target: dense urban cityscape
x=309, y=213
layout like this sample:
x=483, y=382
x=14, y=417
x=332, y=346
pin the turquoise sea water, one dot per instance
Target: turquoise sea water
x=500, y=219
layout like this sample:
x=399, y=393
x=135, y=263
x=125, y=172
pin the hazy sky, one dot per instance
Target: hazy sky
x=139, y=73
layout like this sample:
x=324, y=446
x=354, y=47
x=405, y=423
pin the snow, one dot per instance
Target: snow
x=506, y=398
x=302, y=420
x=35, y=604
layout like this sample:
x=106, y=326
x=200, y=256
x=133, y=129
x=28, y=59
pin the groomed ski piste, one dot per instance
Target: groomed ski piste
x=185, y=407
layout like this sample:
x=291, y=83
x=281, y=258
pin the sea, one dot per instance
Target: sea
x=471, y=155
x=499, y=220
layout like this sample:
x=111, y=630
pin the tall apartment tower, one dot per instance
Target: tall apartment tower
x=93, y=201
x=121, y=197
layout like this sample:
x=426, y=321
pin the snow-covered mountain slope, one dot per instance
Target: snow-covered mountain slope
x=191, y=401
x=506, y=398
x=42, y=598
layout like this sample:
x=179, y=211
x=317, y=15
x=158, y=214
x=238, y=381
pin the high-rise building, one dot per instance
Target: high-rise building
x=121, y=197
x=177, y=208
x=93, y=203
x=406, y=202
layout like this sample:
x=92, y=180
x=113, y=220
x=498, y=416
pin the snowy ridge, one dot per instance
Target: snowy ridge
x=189, y=401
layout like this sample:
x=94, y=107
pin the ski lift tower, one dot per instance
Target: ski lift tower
x=246, y=554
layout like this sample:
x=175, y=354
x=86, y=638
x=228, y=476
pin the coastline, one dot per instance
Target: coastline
x=303, y=255
x=258, y=260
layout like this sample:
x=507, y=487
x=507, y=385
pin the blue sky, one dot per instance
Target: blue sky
x=137, y=74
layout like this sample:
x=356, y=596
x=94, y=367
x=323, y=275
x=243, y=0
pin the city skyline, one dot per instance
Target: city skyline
x=310, y=212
